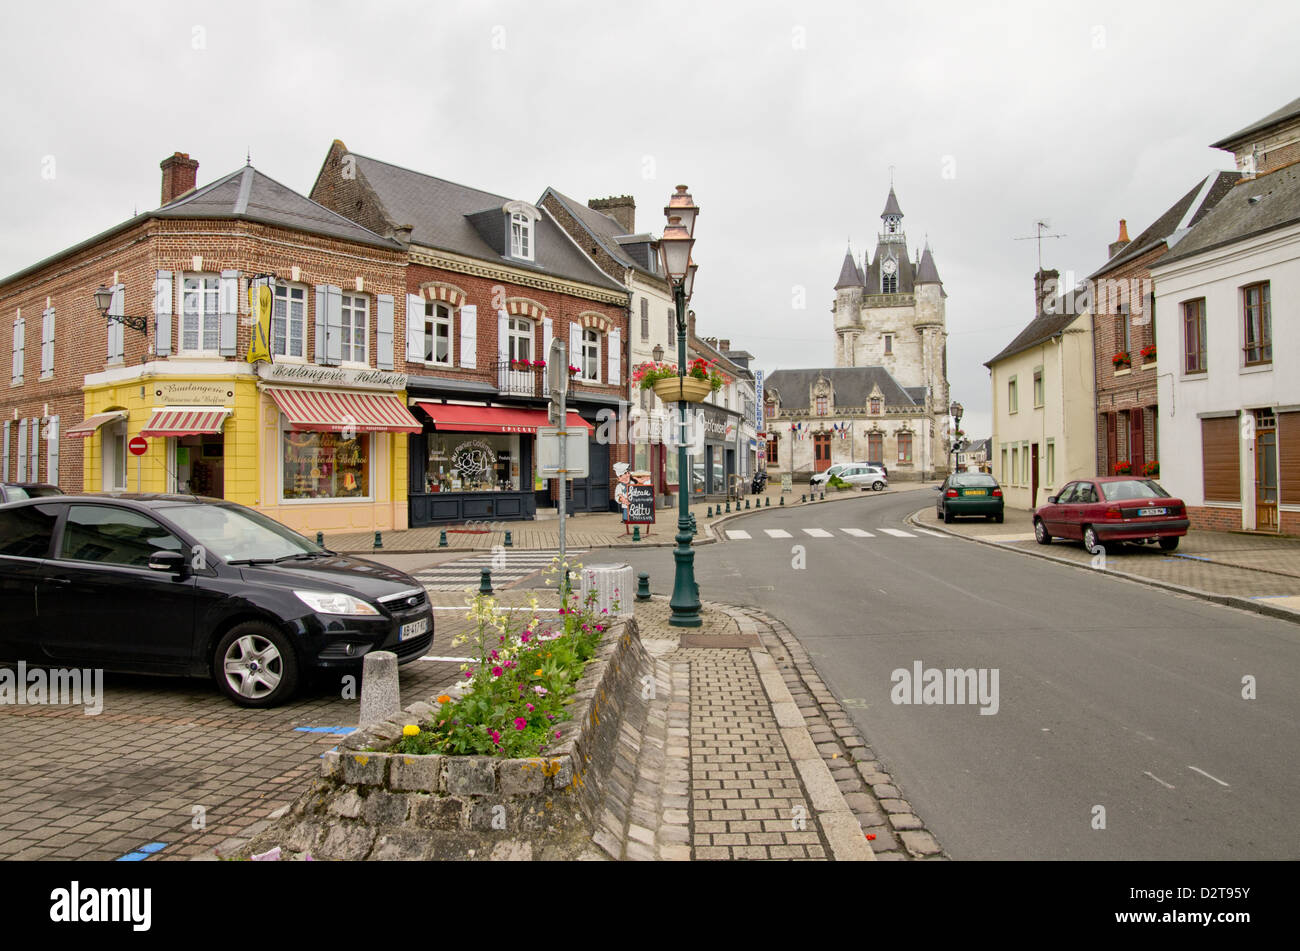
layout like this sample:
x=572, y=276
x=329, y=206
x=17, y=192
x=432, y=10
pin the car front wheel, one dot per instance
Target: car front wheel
x=255, y=665
x=1041, y=535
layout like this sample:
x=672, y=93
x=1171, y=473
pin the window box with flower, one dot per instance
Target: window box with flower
x=1148, y=354
x=1123, y=468
x=1121, y=361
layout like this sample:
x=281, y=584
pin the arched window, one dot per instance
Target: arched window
x=521, y=236
x=590, y=354
x=520, y=338
x=889, y=283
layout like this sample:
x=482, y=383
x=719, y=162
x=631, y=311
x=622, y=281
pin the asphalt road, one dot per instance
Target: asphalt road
x=1110, y=694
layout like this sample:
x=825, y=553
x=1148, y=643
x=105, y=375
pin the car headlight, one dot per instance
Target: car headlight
x=335, y=602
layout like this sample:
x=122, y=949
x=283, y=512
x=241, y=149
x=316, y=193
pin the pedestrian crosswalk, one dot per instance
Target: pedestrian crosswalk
x=506, y=566
x=737, y=534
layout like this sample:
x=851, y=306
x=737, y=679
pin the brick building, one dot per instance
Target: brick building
x=271, y=434
x=490, y=282
x=1124, y=343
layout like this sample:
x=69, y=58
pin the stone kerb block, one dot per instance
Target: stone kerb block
x=380, y=691
x=613, y=584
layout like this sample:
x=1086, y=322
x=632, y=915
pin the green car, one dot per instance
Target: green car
x=969, y=493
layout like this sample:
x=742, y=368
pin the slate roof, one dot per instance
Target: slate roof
x=1252, y=207
x=926, y=272
x=852, y=386
x=906, y=269
x=627, y=249
x=248, y=194
x=1290, y=111
x=1163, y=227
x=439, y=212
x=891, y=204
x=850, y=276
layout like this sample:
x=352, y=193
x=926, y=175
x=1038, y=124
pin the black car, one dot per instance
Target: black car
x=190, y=586
x=17, y=491
x=970, y=493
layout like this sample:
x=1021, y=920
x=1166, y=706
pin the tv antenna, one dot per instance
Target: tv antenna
x=1042, y=224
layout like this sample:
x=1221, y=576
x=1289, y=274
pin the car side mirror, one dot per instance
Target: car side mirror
x=169, y=562
x=1051, y=499
x=938, y=488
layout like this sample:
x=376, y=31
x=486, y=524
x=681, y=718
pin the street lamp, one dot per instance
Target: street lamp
x=675, y=252
x=104, y=302
x=955, y=411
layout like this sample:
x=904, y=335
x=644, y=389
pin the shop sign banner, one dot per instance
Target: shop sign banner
x=193, y=393
x=310, y=375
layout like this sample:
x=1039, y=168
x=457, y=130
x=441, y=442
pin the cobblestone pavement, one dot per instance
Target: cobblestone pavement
x=1262, y=568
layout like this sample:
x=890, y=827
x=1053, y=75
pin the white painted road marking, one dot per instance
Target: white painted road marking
x=1157, y=779
x=778, y=533
x=926, y=531
x=454, y=660
x=1208, y=776
x=897, y=533
x=818, y=533
x=736, y=533
x=857, y=533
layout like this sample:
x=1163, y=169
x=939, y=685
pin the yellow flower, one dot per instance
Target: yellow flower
x=410, y=730
x=538, y=671
x=444, y=698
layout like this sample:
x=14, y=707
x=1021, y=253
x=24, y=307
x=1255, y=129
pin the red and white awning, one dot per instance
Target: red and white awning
x=90, y=425
x=457, y=417
x=186, y=421
x=337, y=411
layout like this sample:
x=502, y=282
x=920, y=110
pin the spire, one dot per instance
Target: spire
x=891, y=205
x=849, y=276
x=926, y=272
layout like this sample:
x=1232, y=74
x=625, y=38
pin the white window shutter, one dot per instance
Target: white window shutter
x=322, y=308
x=162, y=313
x=52, y=451
x=228, y=303
x=503, y=336
x=18, y=351
x=384, y=331
x=469, y=335
x=614, y=341
x=34, y=449
x=575, y=347
x=334, y=325
x=546, y=339
x=119, y=328
x=22, y=450
x=4, y=455
x=414, y=327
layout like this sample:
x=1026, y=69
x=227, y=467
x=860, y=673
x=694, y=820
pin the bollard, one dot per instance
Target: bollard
x=485, y=581
x=379, y=540
x=643, y=586
x=636, y=533
x=801, y=498
x=709, y=513
x=746, y=503
x=728, y=506
x=767, y=502
x=509, y=543
x=609, y=585
x=380, y=691
x=442, y=538
x=320, y=539
x=782, y=500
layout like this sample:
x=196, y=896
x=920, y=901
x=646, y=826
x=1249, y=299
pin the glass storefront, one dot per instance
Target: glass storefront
x=474, y=462
x=325, y=466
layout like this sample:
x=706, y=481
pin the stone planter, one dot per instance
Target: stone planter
x=675, y=389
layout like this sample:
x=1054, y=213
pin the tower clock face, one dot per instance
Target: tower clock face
x=890, y=266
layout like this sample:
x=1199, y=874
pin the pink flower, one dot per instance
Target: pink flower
x=469, y=674
x=520, y=723
x=494, y=655
x=540, y=691
x=496, y=737
x=496, y=671
x=557, y=734
x=525, y=636
x=530, y=707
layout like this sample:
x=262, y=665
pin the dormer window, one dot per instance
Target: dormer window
x=522, y=221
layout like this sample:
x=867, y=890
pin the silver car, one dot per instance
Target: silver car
x=868, y=477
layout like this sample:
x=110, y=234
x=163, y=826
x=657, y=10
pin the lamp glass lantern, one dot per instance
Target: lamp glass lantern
x=675, y=249
x=690, y=279
x=683, y=206
x=658, y=353
x=103, y=299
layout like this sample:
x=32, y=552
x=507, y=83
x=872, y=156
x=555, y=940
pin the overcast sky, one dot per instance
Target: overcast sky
x=783, y=118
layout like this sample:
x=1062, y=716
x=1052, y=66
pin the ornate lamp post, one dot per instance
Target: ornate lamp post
x=955, y=411
x=675, y=251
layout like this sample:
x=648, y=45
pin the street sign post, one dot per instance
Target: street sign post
x=138, y=446
x=576, y=461
x=557, y=384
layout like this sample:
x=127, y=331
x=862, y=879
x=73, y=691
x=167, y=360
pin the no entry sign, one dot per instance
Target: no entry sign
x=138, y=446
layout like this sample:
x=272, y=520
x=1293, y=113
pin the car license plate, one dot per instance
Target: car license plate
x=414, y=629
x=977, y=491
x=1151, y=512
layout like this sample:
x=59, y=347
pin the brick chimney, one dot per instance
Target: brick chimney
x=621, y=208
x=724, y=346
x=179, y=175
x=1044, y=292
x=1122, y=241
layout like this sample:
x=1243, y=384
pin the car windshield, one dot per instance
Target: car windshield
x=974, y=479
x=233, y=533
x=1133, y=489
x=13, y=493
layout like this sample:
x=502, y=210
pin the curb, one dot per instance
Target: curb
x=1226, y=600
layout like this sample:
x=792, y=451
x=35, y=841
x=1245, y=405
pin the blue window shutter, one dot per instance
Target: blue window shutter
x=322, y=308
x=162, y=313
x=228, y=301
x=414, y=327
x=384, y=332
x=334, y=325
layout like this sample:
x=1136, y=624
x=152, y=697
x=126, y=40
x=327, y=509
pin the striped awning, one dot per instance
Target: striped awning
x=186, y=421
x=90, y=425
x=336, y=411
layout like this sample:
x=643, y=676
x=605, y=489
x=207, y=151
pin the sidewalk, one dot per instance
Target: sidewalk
x=588, y=530
x=1256, y=572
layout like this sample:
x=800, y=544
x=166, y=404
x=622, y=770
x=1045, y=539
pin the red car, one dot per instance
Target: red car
x=1112, y=509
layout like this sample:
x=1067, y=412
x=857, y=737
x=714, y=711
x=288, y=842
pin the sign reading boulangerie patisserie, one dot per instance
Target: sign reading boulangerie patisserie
x=311, y=375
x=194, y=393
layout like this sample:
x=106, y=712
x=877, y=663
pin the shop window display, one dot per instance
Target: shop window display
x=472, y=462
x=326, y=466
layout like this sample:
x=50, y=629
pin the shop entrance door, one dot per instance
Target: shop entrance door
x=821, y=452
x=197, y=465
x=1265, y=471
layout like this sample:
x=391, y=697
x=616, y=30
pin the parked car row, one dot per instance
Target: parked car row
x=188, y=586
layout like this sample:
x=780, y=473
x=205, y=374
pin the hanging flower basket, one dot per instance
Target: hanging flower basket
x=673, y=389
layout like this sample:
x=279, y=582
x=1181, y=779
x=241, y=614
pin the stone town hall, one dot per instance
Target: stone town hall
x=886, y=398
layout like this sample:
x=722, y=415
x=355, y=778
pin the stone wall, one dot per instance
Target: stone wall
x=368, y=804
